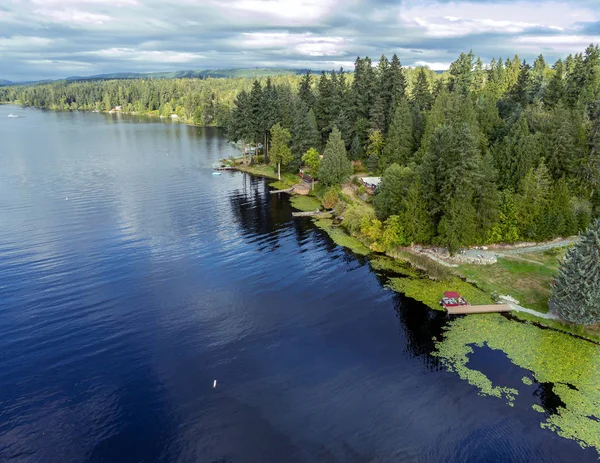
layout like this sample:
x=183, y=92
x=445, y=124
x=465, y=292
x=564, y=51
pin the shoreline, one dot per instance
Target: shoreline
x=426, y=271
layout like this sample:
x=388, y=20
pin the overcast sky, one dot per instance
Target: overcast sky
x=59, y=38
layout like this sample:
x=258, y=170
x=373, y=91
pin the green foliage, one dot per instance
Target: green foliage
x=312, y=160
x=330, y=198
x=280, y=152
x=335, y=167
x=576, y=293
x=305, y=203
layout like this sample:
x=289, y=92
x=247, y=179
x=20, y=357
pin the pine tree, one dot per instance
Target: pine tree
x=506, y=230
x=324, y=106
x=486, y=199
x=400, y=142
x=335, y=167
x=281, y=155
x=421, y=94
x=304, y=134
x=576, y=291
x=305, y=92
x=395, y=182
x=555, y=93
x=449, y=173
x=461, y=73
x=532, y=202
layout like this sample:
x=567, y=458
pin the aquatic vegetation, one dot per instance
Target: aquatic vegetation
x=430, y=292
x=527, y=381
x=572, y=365
x=339, y=236
x=279, y=185
x=305, y=203
x=538, y=408
x=387, y=264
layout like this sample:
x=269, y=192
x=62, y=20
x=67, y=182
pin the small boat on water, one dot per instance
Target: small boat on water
x=216, y=173
x=12, y=115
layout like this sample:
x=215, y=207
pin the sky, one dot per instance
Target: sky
x=48, y=39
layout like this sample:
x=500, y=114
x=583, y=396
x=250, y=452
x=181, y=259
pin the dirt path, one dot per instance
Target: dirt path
x=535, y=248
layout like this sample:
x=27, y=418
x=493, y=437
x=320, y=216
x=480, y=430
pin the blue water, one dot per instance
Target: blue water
x=131, y=278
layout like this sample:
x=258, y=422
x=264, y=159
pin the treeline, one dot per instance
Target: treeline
x=200, y=101
x=497, y=153
x=480, y=154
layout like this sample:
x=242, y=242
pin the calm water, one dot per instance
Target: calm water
x=131, y=278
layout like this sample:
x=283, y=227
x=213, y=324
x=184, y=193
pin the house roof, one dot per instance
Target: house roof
x=372, y=180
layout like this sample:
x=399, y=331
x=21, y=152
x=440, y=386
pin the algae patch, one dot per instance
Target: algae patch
x=339, y=236
x=305, y=203
x=572, y=365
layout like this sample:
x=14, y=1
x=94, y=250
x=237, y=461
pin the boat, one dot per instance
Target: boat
x=12, y=115
x=216, y=173
x=453, y=299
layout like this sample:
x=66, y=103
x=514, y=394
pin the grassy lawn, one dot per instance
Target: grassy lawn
x=527, y=282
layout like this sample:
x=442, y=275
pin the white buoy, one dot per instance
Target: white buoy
x=66, y=198
x=215, y=384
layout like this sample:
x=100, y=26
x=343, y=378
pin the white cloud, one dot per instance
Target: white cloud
x=563, y=44
x=73, y=16
x=287, y=10
x=150, y=56
x=458, y=19
x=433, y=65
x=305, y=44
x=19, y=42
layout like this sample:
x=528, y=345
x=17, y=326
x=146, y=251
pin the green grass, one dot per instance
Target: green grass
x=305, y=203
x=587, y=332
x=430, y=292
x=340, y=237
x=265, y=170
x=549, y=355
x=527, y=282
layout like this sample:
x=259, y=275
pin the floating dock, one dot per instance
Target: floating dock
x=468, y=309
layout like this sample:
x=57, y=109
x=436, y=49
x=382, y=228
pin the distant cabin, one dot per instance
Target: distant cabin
x=371, y=183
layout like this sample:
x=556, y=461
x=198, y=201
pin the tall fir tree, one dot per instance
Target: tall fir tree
x=421, y=94
x=335, y=168
x=400, y=142
x=576, y=291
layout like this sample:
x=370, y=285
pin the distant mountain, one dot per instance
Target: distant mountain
x=5, y=82
x=200, y=74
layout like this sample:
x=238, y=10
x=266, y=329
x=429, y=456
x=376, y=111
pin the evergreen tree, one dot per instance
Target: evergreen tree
x=280, y=150
x=305, y=92
x=486, y=200
x=305, y=134
x=400, y=142
x=395, y=182
x=449, y=173
x=335, y=167
x=374, y=150
x=556, y=87
x=461, y=73
x=324, y=106
x=576, y=291
x=421, y=94
x=532, y=202
x=506, y=230
x=312, y=160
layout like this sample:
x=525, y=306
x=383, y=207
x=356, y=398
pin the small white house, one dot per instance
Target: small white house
x=371, y=183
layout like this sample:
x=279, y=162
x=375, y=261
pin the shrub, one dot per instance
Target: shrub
x=330, y=198
x=353, y=218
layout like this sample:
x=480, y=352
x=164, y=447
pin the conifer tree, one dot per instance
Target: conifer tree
x=305, y=134
x=335, y=167
x=576, y=291
x=400, y=142
x=421, y=94
x=305, y=92
x=556, y=87
x=486, y=199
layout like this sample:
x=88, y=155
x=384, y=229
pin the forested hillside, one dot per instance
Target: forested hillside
x=498, y=153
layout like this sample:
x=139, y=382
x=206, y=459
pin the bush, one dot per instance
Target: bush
x=353, y=218
x=330, y=198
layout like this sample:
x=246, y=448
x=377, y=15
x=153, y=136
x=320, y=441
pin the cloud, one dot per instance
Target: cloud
x=48, y=38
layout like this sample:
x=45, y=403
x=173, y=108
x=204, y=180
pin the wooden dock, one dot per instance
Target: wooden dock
x=467, y=309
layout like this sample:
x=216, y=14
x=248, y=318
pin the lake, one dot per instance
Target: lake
x=131, y=279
